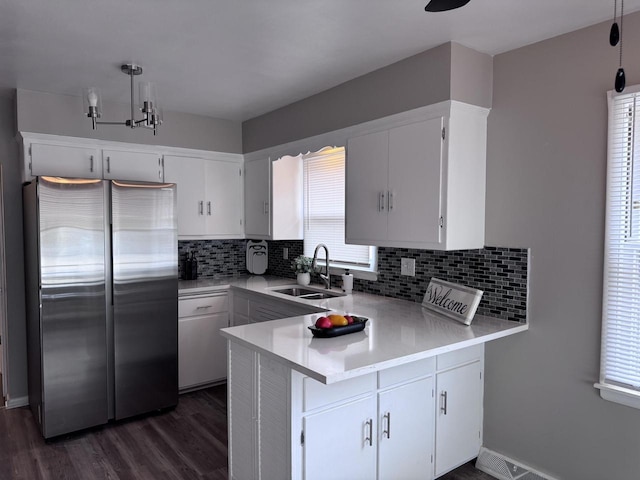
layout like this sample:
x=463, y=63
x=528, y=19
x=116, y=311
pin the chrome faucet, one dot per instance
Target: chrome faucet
x=326, y=279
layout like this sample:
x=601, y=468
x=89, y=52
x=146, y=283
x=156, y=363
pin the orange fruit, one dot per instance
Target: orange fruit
x=338, y=320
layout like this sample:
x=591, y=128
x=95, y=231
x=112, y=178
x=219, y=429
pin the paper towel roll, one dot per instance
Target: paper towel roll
x=347, y=282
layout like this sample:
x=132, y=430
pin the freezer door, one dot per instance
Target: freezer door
x=145, y=297
x=71, y=243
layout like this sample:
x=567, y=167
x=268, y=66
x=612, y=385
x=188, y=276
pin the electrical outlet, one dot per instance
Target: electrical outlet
x=285, y=253
x=408, y=267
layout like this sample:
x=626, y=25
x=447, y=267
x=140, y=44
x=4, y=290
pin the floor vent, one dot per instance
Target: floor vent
x=504, y=468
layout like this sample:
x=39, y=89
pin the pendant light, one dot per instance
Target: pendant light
x=151, y=113
x=614, y=34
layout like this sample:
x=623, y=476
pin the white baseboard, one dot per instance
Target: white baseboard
x=18, y=402
x=504, y=468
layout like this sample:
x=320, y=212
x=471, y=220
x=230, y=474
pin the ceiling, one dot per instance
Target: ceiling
x=236, y=59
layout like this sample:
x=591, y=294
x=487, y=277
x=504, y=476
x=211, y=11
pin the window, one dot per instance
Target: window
x=620, y=355
x=324, y=199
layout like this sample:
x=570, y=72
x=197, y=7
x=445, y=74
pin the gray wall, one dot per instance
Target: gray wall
x=546, y=169
x=449, y=71
x=16, y=341
x=62, y=115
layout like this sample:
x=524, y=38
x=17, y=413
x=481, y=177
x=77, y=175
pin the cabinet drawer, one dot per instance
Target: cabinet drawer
x=203, y=305
x=459, y=357
x=316, y=394
x=403, y=373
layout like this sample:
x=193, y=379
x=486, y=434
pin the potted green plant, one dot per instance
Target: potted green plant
x=302, y=266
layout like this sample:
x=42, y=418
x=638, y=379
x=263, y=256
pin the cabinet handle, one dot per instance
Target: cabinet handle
x=91, y=163
x=201, y=203
x=266, y=208
x=443, y=408
x=108, y=164
x=390, y=200
x=381, y=202
x=209, y=208
x=387, y=416
x=203, y=307
x=369, y=438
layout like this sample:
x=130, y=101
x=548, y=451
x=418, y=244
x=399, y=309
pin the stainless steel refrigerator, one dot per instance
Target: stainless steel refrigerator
x=102, y=300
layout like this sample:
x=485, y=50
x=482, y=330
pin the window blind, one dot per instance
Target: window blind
x=324, y=201
x=620, y=358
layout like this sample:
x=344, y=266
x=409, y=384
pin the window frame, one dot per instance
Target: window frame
x=620, y=240
x=337, y=267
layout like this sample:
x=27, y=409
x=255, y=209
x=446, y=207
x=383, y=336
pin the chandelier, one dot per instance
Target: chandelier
x=147, y=98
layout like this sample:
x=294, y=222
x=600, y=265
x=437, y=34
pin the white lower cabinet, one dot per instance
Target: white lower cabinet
x=459, y=418
x=405, y=419
x=384, y=425
x=347, y=452
x=202, y=351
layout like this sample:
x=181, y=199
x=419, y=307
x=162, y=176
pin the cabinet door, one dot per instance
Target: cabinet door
x=188, y=173
x=257, y=200
x=459, y=417
x=405, y=431
x=224, y=198
x=202, y=351
x=415, y=182
x=287, y=216
x=366, y=188
x=340, y=443
x=63, y=161
x=138, y=166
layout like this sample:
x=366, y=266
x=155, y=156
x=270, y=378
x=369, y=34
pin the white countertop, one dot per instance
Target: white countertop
x=398, y=331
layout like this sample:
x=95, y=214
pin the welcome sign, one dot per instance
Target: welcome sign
x=453, y=300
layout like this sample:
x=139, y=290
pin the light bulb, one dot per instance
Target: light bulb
x=92, y=98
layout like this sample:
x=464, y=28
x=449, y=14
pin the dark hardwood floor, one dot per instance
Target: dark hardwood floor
x=189, y=442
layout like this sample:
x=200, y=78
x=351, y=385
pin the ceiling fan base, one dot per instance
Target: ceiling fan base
x=444, y=5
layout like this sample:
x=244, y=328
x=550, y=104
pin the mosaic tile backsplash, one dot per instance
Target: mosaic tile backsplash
x=500, y=272
x=216, y=258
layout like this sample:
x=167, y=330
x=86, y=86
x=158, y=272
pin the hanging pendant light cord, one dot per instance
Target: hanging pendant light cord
x=621, y=17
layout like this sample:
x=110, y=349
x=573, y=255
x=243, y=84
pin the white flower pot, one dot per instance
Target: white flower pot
x=304, y=278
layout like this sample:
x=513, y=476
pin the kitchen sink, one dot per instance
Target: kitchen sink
x=308, y=293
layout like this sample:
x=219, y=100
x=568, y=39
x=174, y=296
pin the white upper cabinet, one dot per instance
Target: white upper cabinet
x=257, y=198
x=84, y=158
x=62, y=161
x=420, y=184
x=273, y=199
x=210, y=196
x=224, y=205
x=128, y=165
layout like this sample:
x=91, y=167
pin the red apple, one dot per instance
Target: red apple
x=323, y=322
x=349, y=319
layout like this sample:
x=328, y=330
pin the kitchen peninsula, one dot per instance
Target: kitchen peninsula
x=401, y=399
